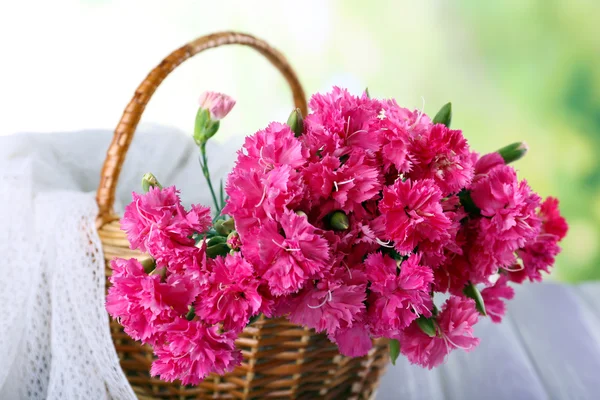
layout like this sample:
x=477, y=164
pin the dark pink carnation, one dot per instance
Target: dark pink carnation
x=454, y=330
x=192, y=350
x=442, y=154
x=411, y=213
x=552, y=222
x=492, y=298
x=508, y=210
x=286, y=260
x=142, y=303
x=157, y=223
x=397, y=299
x=329, y=305
x=231, y=296
x=340, y=122
x=354, y=341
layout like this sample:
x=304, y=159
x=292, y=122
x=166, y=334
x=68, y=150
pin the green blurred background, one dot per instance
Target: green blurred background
x=514, y=70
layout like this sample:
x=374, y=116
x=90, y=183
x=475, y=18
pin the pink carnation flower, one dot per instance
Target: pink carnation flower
x=492, y=298
x=508, y=208
x=552, y=222
x=192, y=351
x=287, y=261
x=442, y=154
x=331, y=304
x=157, y=223
x=411, y=213
x=454, y=330
x=397, y=299
x=272, y=147
x=255, y=196
x=218, y=104
x=354, y=341
x=231, y=297
x=485, y=164
x=142, y=303
x=340, y=122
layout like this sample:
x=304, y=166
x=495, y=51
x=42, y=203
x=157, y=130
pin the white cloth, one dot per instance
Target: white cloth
x=55, y=341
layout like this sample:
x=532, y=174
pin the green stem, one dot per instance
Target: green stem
x=206, y=173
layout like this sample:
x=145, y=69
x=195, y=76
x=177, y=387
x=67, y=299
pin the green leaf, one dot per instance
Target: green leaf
x=191, y=313
x=444, y=116
x=427, y=325
x=394, y=350
x=467, y=202
x=513, y=152
x=367, y=92
x=472, y=292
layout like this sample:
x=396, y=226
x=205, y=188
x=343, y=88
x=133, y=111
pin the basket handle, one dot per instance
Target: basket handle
x=125, y=130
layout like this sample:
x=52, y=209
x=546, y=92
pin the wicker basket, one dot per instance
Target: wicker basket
x=281, y=359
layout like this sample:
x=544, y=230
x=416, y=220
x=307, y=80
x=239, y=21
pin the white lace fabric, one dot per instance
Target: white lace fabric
x=55, y=340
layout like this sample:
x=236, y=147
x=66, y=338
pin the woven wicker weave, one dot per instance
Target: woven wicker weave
x=281, y=359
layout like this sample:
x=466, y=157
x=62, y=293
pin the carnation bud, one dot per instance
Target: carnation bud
x=301, y=213
x=339, y=221
x=296, y=122
x=148, y=181
x=149, y=264
x=233, y=241
x=427, y=325
x=191, y=313
x=221, y=228
x=513, y=152
x=444, y=116
x=217, y=104
x=394, y=350
x=229, y=224
x=204, y=127
x=472, y=292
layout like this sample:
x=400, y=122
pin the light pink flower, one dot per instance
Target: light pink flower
x=442, y=154
x=218, y=104
x=142, y=303
x=397, y=299
x=454, y=330
x=287, y=261
x=492, y=298
x=411, y=213
x=192, y=350
x=231, y=296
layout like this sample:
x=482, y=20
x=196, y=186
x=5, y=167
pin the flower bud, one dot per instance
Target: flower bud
x=444, y=116
x=296, y=122
x=427, y=325
x=221, y=228
x=233, y=241
x=513, y=152
x=339, y=221
x=217, y=104
x=229, y=224
x=220, y=249
x=149, y=264
x=191, y=313
x=148, y=181
x=472, y=292
x=204, y=127
x=301, y=213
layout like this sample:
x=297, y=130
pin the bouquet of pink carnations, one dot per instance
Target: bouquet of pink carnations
x=347, y=221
